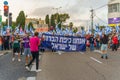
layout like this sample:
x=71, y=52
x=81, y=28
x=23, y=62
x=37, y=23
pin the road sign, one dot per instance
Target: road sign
x=5, y=3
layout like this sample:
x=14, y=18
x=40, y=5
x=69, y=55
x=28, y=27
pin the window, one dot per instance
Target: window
x=114, y=8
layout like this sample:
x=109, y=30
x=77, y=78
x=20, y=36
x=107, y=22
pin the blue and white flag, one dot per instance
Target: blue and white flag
x=83, y=33
x=17, y=29
x=97, y=28
x=117, y=29
x=89, y=32
x=31, y=30
x=26, y=29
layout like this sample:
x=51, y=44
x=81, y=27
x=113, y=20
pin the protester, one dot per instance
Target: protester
x=6, y=42
x=97, y=42
x=27, y=52
x=119, y=40
x=114, y=42
x=34, y=47
x=109, y=41
x=104, y=41
x=91, y=40
x=1, y=43
x=16, y=47
x=42, y=44
x=21, y=46
x=11, y=41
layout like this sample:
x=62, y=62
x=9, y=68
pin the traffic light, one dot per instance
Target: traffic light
x=6, y=8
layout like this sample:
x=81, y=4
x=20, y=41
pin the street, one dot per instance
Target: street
x=13, y=70
x=66, y=66
x=77, y=66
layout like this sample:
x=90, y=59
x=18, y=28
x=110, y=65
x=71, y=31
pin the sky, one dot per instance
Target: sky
x=79, y=10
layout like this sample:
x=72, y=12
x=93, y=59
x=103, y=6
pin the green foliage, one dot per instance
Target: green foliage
x=13, y=25
x=59, y=18
x=75, y=30
x=3, y=23
x=47, y=20
x=101, y=27
x=64, y=17
x=21, y=19
x=71, y=24
x=82, y=28
x=30, y=25
x=52, y=21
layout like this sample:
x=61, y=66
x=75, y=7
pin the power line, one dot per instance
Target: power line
x=100, y=19
x=92, y=15
x=100, y=7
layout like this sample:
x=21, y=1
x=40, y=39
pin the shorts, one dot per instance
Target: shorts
x=27, y=52
x=104, y=47
x=16, y=50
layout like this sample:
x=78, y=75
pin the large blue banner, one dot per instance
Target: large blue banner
x=64, y=43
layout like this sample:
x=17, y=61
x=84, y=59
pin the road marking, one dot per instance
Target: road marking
x=82, y=52
x=31, y=78
x=33, y=68
x=59, y=52
x=96, y=60
x=98, y=51
x=1, y=54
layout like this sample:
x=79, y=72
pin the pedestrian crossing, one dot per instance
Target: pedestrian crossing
x=31, y=78
x=33, y=68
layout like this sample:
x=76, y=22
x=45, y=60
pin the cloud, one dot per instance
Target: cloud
x=42, y=11
x=79, y=11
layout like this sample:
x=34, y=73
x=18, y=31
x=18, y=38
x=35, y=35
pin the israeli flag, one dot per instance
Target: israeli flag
x=89, y=32
x=70, y=32
x=97, y=28
x=26, y=29
x=4, y=32
x=79, y=33
x=31, y=30
x=117, y=29
x=17, y=29
x=100, y=33
x=83, y=33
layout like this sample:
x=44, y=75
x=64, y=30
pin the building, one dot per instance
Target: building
x=114, y=12
x=36, y=22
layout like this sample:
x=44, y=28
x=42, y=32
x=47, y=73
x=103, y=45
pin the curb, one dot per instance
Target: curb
x=4, y=53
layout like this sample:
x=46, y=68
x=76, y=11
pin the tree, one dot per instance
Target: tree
x=21, y=19
x=47, y=19
x=13, y=25
x=64, y=17
x=82, y=28
x=75, y=29
x=52, y=21
x=59, y=18
x=71, y=24
x=30, y=25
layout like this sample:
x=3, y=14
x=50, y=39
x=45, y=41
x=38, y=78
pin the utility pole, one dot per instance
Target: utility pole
x=92, y=17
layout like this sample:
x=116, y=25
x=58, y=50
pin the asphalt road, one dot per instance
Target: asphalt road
x=77, y=66
x=13, y=70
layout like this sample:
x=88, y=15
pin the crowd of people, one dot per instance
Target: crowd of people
x=19, y=44
x=31, y=45
x=103, y=42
